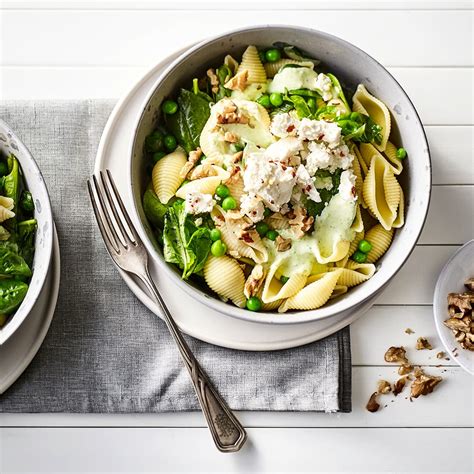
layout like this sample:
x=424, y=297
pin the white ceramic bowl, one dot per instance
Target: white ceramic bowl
x=10, y=143
x=457, y=270
x=352, y=66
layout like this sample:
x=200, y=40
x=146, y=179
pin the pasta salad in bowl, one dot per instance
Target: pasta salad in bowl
x=273, y=182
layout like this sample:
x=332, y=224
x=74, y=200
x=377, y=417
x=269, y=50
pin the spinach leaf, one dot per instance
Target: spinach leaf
x=154, y=210
x=26, y=239
x=316, y=208
x=11, y=262
x=304, y=93
x=11, y=185
x=12, y=293
x=187, y=123
x=338, y=88
x=185, y=245
x=360, y=128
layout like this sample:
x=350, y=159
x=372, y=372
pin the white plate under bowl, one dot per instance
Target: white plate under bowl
x=17, y=353
x=457, y=270
x=194, y=318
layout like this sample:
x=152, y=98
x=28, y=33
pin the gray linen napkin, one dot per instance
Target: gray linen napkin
x=105, y=352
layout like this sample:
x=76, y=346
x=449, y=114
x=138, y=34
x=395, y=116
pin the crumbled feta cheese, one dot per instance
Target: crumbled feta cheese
x=306, y=183
x=283, y=149
x=271, y=181
x=323, y=183
x=283, y=125
x=320, y=130
x=197, y=203
x=319, y=157
x=198, y=222
x=324, y=86
x=347, y=186
x=252, y=207
x=342, y=157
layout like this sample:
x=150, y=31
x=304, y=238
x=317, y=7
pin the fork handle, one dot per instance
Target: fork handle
x=227, y=432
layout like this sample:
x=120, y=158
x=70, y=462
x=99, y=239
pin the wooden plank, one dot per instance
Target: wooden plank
x=268, y=450
x=422, y=84
x=137, y=38
x=247, y=4
x=435, y=410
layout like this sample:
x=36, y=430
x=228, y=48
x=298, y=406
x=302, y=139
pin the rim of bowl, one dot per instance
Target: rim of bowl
x=26, y=306
x=272, y=317
x=437, y=308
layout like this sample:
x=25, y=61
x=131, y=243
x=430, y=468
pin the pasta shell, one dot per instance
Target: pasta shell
x=224, y=276
x=338, y=291
x=400, y=220
x=368, y=151
x=231, y=63
x=355, y=273
x=381, y=192
x=206, y=185
x=391, y=155
x=272, y=68
x=366, y=103
x=252, y=63
x=380, y=240
x=236, y=188
x=363, y=165
x=313, y=295
x=7, y=203
x=352, y=248
x=5, y=214
x=165, y=175
x=358, y=174
x=274, y=290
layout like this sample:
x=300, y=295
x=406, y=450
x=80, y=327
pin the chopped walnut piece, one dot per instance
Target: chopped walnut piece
x=238, y=82
x=383, y=387
x=461, y=300
x=372, y=404
x=300, y=222
x=254, y=281
x=193, y=158
x=440, y=355
x=211, y=74
x=457, y=324
x=282, y=244
x=405, y=369
x=423, y=384
x=469, y=284
x=399, y=385
x=230, y=137
x=409, y=331
x=202, y=171
x=396, y=354
x=423, y=343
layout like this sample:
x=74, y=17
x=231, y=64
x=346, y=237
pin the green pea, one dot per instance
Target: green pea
x=284, y=279
x=157, y=156
x=262, y=228
x=254, y=304
x=266, y=212
x=229, y=203
x=365, y=246
x=3, y=168
x=154, y=141
x=359, y=257
x=218, y=248
x=222, y=191
x=265, y=101
x=169, y=107
x=276, y=99
x=26, y=201
x=401, y=153
x=272, y=55
x=271, y=234
x=170, y=142
x=215, y=235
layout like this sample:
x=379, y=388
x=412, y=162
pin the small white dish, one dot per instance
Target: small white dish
x=10, y=143
x=457, y=270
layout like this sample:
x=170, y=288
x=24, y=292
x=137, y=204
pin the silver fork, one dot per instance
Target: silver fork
x=129, y=253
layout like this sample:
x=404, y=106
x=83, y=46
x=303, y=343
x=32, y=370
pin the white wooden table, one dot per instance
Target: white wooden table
x=96, y=49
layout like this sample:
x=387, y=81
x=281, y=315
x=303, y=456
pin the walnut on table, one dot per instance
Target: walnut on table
x=423, y=343
x=396, y=354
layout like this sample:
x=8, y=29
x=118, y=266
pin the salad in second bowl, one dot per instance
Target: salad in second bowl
x=17, y=237
x=269, y=186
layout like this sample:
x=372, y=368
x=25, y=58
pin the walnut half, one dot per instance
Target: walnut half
x=396, y=354
x=423, y=384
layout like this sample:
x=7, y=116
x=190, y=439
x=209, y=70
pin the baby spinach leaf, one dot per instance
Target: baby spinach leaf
x=11, y=184
x=316, y=208
x=11, y=262
x=185, y=245
x=154, y=210
x=26, y=239
x=360, y=128
x=304, y=93
x=338, y=88
x=187, y=124
x=12, y=293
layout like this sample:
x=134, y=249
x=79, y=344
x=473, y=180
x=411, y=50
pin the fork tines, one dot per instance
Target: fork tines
x=114, y=222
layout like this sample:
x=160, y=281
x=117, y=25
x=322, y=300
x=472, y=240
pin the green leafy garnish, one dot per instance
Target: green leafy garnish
x=11, y=262
x=12, y=293
x=185, y=244
x=360, y=128
x=338, y=88
x=187, y=123
x=316, y=208
x=26, y=239
x=154, y=210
